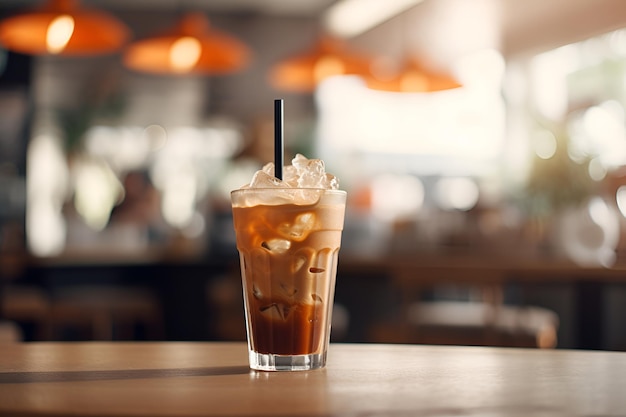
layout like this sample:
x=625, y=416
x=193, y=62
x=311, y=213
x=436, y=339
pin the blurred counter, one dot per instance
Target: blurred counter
x=368, y=286
x=495, y=275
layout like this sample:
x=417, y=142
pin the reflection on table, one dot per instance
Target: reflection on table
x=210, y=379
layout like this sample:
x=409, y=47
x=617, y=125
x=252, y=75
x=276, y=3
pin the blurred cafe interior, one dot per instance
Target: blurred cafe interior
x=482, y=144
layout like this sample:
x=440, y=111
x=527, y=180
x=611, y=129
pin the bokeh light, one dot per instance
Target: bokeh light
x=545, y=144
x=47, y=186
x=620, y=198
x=456, y=193
x=396, y=197
x=96, y=191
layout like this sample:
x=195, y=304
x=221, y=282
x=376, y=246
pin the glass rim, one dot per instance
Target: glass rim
x=325, y=190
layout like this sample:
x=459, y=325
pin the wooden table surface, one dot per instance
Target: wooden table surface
x=211, y=379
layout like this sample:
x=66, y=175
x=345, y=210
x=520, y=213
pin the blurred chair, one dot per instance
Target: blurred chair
x=471, y=323
x=485, y=321
x=10, y=332
x=224, y=296
x=105, y=313
x=480, y=323
x=28, y=305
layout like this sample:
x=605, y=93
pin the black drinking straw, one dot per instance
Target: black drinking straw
x=279, y=143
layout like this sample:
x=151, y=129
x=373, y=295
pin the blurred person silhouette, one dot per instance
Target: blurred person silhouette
x=138, y=216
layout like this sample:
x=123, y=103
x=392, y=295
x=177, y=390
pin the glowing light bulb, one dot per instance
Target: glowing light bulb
x=328, y=66
x=59, y=33
x=414, y=81
x=185, y=54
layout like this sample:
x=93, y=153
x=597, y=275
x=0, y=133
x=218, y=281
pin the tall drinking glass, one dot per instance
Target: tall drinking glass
x=288, y=241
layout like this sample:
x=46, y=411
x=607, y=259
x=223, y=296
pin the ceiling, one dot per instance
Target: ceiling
x=543, y=24
x=523, y=25
x=274, y=7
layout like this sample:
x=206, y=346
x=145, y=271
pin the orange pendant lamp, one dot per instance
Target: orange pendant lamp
x=62, y=27
x=303, y=72
x=413, y=78
x=192, y=47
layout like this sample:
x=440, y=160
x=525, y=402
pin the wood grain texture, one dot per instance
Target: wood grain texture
x=213, y=379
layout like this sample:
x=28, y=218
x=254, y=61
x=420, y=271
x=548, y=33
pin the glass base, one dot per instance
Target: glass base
x=271, y=362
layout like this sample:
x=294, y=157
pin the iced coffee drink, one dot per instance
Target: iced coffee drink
x=288, y=236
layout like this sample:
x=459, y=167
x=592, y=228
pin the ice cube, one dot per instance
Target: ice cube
x=332, y=183
x=289, y=290
x=298, y=263
x=305, y=221
x=300, y=229
x=276, y=311
x=290, y=176
x=301, y=259
x=299, y=161
x=262, y=179
x=302, y=173
x=311, y=172
x=256, y=292
x=276, y=245
x=268, y=168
